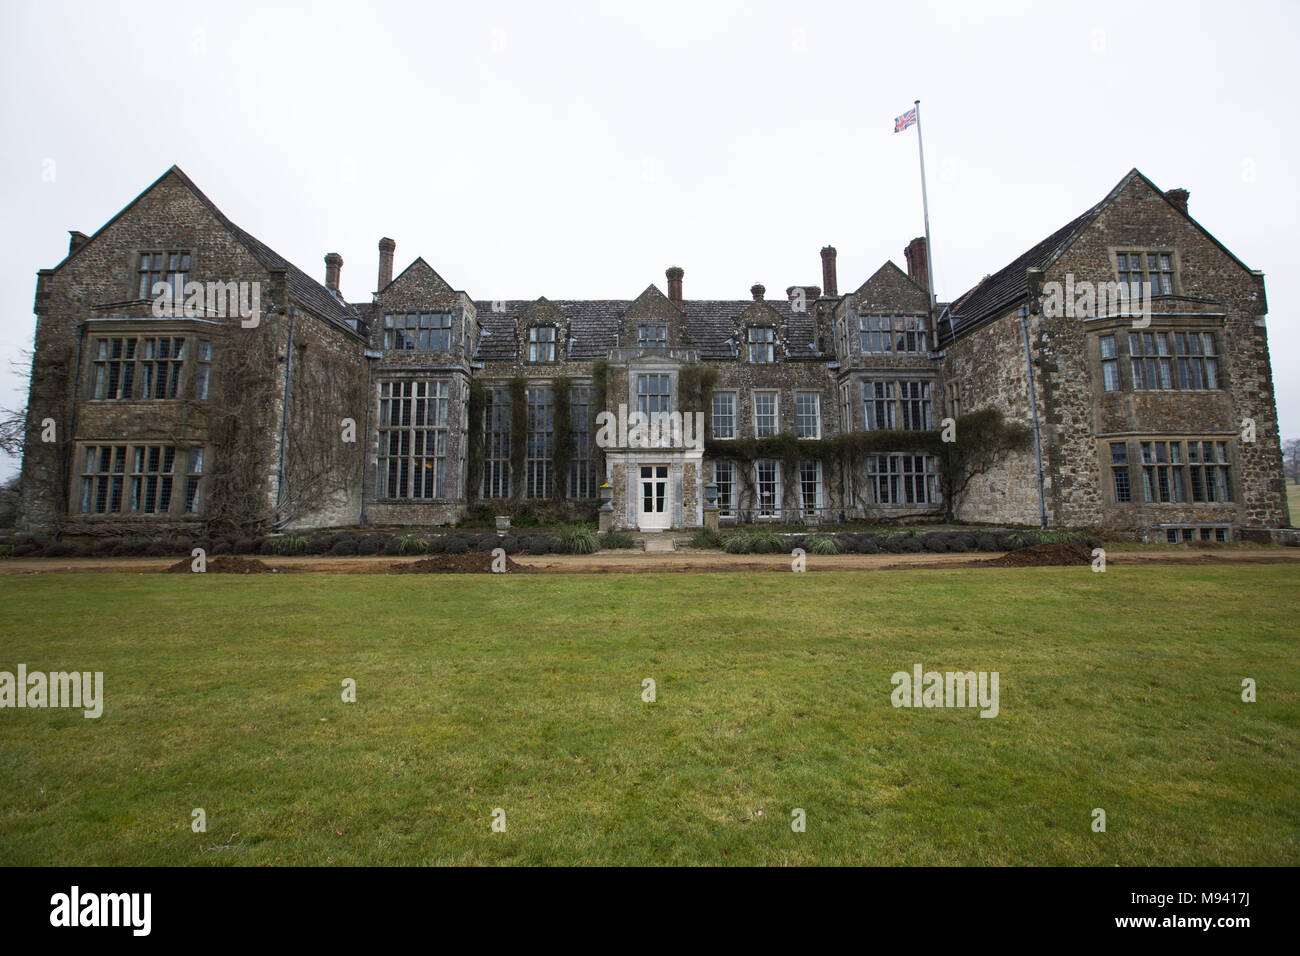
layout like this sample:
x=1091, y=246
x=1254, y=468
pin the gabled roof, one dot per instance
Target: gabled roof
x=309, y=293
x=594, y=323
x=418, y=264
x=997, y=294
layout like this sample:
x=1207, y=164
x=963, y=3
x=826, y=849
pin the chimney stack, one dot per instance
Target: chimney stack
x=386, y=248
x=828, y=271
x=333, y=266
x=674, y=274
x=76, y=239
x=1179, y=198
x=917, y=266
x=809, y=291
x=757, y=290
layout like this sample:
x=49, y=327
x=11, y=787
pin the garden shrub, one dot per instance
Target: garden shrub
x=707, y=539
x=577, y=539
x=823, y=544
x=617, y=540
x=344, y=547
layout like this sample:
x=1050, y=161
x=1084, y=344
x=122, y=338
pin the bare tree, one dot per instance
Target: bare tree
x=1291, y=458
x=13, y=422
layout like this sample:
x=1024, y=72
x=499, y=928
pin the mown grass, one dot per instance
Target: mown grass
x=1293, y=499
x=1118, y=690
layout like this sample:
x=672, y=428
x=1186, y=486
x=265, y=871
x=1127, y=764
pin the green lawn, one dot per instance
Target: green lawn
x=1293, y=499
x=1118, y=690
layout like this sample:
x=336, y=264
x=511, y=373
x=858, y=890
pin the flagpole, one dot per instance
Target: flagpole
x=925, y=208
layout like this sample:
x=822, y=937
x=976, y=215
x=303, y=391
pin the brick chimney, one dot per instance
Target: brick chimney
x=828, y=271
x=386, y=249
x=809, y=291
x=917, y=266
x=76, y=239
x=1179, y=198
x=757, y=290
x=674, y=274
x=333, y=267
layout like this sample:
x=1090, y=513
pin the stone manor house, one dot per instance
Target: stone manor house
x=424, y=403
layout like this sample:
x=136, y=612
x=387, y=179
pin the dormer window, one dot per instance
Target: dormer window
x=541, y=343
x=762, y=344
x=172, y=268
x=652, y=336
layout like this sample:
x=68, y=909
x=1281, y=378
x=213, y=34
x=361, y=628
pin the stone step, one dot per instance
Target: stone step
x=660, y=543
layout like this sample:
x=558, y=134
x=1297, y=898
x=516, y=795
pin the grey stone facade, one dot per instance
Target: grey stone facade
x=329, y=413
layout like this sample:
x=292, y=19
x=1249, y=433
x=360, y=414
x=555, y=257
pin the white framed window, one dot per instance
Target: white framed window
x=724, y=415
x=767, y=475
x=766, y=419
x=808, y=414
x=810, y=487
x=724, y=476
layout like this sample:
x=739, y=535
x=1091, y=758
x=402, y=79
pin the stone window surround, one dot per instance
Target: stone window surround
x=561, y=337
x=775, y=344
x=1128, y=249
x=1134, y=439
x=190, y=329
x=857, y=396
x=637, y=368
x=414, y=377
x=179, y=488
x=1120, y=326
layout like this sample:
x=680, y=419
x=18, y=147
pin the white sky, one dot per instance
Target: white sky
x=576, y=150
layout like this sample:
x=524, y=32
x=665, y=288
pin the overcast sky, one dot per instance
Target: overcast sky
x=575, y=150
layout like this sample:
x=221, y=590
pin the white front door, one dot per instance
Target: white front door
x=654, y=512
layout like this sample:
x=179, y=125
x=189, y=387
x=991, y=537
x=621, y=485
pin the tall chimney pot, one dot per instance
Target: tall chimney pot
x=917, y=265
x=386, y=248
x=674, y=274
x=333, y=267
x=828, y=271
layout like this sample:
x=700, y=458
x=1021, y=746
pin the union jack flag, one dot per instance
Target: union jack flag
x=907, y=119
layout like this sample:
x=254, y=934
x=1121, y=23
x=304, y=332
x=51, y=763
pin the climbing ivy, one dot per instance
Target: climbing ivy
x=474, y=445
x=562, y=438
x=518, y=435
